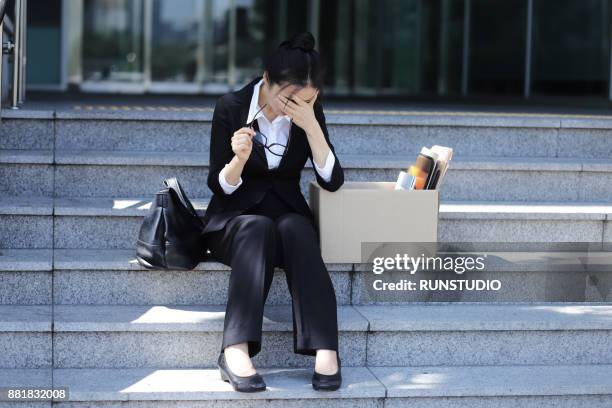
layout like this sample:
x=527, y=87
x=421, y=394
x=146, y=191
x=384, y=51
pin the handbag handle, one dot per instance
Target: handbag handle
x=172, y=183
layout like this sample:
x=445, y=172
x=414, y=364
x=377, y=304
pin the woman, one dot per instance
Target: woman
x=258, y=219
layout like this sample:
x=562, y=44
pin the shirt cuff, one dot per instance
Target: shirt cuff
x=326, y=171
x=227, y=187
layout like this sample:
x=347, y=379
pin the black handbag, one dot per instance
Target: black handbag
x=170, y=236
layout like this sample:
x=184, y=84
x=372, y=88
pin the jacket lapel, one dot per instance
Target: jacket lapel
x=246, y=94
x=260, y=151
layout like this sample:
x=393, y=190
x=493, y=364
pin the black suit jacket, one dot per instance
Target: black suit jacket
x=230, y=114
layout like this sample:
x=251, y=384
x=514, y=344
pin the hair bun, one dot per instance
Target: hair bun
x=304, y=41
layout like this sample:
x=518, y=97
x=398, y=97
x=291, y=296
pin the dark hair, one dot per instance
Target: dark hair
x=296, y=61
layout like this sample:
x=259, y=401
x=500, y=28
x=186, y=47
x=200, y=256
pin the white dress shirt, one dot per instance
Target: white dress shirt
x=276, y=131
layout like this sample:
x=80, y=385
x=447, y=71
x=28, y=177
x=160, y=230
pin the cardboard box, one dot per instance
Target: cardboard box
x=371, y=212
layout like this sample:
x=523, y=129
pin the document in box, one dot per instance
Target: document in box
x=428, y=170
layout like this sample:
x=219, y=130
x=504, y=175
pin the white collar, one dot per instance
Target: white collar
x=255, y=105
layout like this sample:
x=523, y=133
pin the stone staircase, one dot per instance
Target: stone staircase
x=77, y=311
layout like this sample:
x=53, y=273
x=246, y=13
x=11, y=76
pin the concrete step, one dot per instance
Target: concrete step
x=26, y=276
x=27, y=221
x=113, y=277
x=357, y=131
x=153, y=387
x=108, y=222
x=497, y=386
x=26, y=172
x=89, y=173
x=181, y=336
x=166, y=336
x=26, y=336
x=571, y=272
x=449, y=335
x=89, y=276
x=20, y=378
x=27, y=129
x=438, y=387
x=100, y=223
x=96, y=276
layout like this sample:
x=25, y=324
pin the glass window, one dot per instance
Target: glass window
x=571, y=47
x=260, y=26
x=497, y=47
x=335, y=44
x=44, y=43
x=448, y=60
x=388, y=50
x=112, y=40
x=394, y=47
x=175, y=40
x=383, y=47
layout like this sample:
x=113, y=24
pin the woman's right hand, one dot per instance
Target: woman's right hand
x=242, y=143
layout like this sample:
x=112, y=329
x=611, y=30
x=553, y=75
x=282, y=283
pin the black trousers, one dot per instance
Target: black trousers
x=267, y=235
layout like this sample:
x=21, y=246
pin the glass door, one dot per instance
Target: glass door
x=164, y=46
x=112, y=51
x=186, y=46
x=176, y=51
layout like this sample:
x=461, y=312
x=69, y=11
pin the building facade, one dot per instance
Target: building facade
x=406, y=48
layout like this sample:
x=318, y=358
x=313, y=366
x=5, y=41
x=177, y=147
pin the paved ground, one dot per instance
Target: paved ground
x=557, y=106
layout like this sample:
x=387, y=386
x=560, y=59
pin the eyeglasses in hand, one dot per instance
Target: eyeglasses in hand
x=276, y=149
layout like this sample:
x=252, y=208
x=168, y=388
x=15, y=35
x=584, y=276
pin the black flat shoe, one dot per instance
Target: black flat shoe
x=249, y=383
x=328, y=382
